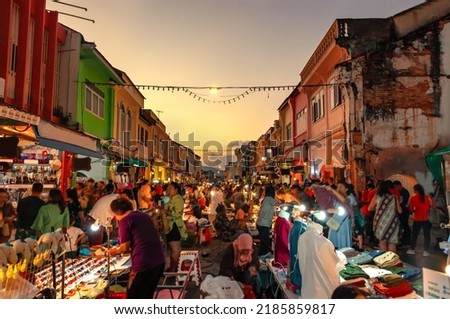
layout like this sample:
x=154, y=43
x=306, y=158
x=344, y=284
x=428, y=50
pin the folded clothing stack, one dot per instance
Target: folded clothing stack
x=352, y=272
x=390, y=281
x=360, y=259
x=375, y=272
x=376, y=253
x=349, y=252
x=388, y=259
x=410, y=273
x=393, y=286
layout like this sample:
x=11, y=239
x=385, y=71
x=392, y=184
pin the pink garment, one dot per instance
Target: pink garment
x=281, y=231
x=243, y=242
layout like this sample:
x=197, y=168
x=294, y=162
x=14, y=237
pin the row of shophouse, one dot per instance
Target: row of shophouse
x=63, y=104
x=372, y=101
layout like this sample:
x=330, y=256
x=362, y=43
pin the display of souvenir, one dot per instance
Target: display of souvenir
x=78, y=274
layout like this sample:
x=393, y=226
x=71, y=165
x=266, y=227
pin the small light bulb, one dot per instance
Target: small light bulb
x=95, y=227
x=321, y=215
x=302, y=207
x=341, y=211
x=214, y=90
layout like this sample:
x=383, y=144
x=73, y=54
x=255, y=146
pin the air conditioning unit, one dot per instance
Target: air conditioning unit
x=2, y=88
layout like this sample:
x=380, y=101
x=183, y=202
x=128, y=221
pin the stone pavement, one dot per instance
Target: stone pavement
x=437, y=261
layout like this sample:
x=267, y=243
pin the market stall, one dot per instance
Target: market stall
x=83, y=277
x=33, y=163
x=29, y=266
x=307, y=265
x=376, y=281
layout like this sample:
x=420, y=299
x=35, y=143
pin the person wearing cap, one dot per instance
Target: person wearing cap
x=240, y=261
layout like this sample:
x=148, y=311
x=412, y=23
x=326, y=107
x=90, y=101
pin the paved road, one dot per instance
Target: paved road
x=437, y=261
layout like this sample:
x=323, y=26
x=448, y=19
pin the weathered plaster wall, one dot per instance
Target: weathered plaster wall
x=404, y=75
x=399, y=101
x=444, y=121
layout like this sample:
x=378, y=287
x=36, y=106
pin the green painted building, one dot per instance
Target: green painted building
x=95, y=109
x=88, y=104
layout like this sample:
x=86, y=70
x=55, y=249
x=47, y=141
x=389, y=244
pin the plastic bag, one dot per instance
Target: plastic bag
x=433, y=216
x=18, y=288
x=221, y=288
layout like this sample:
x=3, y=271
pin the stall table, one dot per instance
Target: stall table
x=81, y=275
x=280, y=277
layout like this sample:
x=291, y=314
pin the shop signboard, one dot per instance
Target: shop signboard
x=17, y=115
x=436, y=285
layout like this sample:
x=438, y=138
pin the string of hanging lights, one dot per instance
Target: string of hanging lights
x=191, y=90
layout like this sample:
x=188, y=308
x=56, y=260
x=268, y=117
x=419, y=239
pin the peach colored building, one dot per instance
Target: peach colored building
x=319, y=112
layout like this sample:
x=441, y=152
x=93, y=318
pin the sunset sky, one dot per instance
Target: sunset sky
x=215, y=43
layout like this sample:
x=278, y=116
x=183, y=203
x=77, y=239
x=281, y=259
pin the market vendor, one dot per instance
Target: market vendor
x=240, y=261
x=138, y=234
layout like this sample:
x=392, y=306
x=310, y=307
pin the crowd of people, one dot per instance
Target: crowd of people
x=377, y=217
